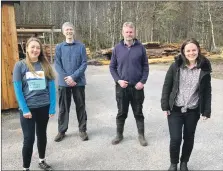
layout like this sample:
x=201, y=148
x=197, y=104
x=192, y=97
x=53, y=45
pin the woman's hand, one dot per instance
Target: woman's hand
x=51, y=115
x=167, y=113
x=204, y=118
x=27, y=115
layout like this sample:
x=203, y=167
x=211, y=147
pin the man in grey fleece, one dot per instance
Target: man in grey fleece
x=70, y=64
x=129, y=69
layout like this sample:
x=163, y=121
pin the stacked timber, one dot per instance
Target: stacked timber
x=170, y=49
x=88, y=52
x=104, y=53
x=154, y=53
x=94, y=62
x=153, y=50
x=151, y=45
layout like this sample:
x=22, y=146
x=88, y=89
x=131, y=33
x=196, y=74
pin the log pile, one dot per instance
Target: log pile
x=104, y=53
x=153, y=50
x=88, y=52
x=151, y=45
x=94, y=62
x=154, y=53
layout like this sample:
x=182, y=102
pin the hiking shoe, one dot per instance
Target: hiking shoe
x=83, y=135
x=59, y=137
x=43, y=165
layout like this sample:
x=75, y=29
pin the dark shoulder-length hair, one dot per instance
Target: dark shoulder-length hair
x=194, y=41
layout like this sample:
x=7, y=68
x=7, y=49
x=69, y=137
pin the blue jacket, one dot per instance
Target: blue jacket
x=129, y=64
x=71, y=60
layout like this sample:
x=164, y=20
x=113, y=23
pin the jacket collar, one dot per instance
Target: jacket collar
x=203, y=63
x=135, y=42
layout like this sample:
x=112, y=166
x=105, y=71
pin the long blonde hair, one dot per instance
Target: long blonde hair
x=49, y=73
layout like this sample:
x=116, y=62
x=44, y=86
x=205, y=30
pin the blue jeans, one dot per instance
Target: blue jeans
x=39, y=120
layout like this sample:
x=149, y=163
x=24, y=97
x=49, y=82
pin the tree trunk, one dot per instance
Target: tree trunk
x=212, y=27
x=114, y=30
x=90, y=26
x=121, y=11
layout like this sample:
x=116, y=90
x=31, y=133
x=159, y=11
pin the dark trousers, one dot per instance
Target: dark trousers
x=187, y=123
x=39, y=120
x=78, y=93
x=127, y=95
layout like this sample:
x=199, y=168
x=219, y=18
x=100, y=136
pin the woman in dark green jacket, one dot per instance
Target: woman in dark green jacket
x=186, y=95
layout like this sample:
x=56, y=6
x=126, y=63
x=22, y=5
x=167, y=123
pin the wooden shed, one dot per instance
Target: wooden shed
x=9, y=55
x=25, y=31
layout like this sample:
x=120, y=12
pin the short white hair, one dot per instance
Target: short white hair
x=128, y=24
x=67, y=24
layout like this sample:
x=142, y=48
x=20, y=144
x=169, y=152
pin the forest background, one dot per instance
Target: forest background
x=98, y=24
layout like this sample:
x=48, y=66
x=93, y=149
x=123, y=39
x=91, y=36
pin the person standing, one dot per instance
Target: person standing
x=70, y=64
x=186, y=95
x=129, y=69
x=34, y=86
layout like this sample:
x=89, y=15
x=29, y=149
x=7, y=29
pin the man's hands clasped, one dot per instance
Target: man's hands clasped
x=124, y=84
x=69, y=80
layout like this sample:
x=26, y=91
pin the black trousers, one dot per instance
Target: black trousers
x=39, y=120
x=65, y=93
x=127, y=95
x=182, y=123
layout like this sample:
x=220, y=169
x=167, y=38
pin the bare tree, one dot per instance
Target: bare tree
x=212, y=27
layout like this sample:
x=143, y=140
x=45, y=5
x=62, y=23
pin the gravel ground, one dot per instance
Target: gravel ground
x=98, y=153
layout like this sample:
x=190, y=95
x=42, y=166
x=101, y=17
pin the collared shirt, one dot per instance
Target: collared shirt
x=71, y=60
x=187, y=96
x=133, y=43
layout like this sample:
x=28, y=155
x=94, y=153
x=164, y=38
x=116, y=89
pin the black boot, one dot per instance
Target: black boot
x=120, y=129
x=141, y=137
x=183, y=166
x=173, y=167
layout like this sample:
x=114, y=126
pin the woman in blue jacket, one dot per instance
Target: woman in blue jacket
x=33, y=80
x=186, y=96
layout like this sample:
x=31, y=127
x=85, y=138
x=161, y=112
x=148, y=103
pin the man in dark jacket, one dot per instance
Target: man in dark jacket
x=129, y=69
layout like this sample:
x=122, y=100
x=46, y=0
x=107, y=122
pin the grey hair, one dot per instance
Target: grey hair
x=128, y=24
x=67, y=24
